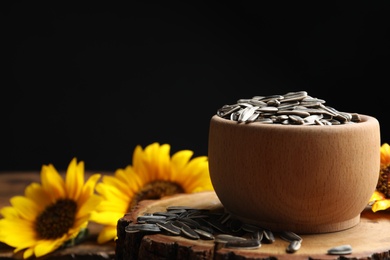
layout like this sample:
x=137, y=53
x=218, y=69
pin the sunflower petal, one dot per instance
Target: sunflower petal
x=9, y=212
x=181, y=158
x=10, y=231
x=46, y=246
x=89, y=188
x=35, y=192
x=130, y=178
x=89, y=206
x=74, y=179
x=25, y=207
x=381, y=205
x=115, y=182
x=107, y=234
x=106, y=218
x=52, y=182
x=377, y=196
x=114, y=205
x=29, y=252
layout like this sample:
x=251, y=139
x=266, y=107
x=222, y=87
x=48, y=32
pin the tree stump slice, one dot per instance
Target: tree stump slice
x=370, y=239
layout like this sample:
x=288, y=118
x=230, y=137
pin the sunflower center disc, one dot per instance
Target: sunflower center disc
x=383, y=182
x=56, y=219
x=156, y=190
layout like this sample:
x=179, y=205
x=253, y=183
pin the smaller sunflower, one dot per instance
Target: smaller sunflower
x=153, y=175
x=380, y=199
x=51, y=214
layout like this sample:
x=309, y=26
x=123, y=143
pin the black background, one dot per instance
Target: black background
x=94, y=80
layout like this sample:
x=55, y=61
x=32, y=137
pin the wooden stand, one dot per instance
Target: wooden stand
x=370, y=239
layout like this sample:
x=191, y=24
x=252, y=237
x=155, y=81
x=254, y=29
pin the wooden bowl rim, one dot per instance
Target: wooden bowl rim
x=365, y=120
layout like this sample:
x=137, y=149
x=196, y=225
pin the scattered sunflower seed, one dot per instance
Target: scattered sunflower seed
x=269, y=236
x=294, y=246
x=224, y=238
x=150, y=218
x=244, y=244
x=290, y=236
x=204, y=234
x=340, y=250
x=222, y=227
x=133, y=228
x=186, y=230
x=169, y=227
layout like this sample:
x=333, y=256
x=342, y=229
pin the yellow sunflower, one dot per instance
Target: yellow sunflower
x=380, y=200
x=154, y=174
x=49, y=214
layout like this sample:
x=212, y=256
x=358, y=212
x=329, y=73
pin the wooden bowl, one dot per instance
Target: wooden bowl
x=300, y=178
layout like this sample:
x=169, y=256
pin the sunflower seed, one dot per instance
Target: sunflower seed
x=169, y=227
x=250, y=228
x=271, y=97
x=246, y=113
x=206, y=228
x=189, y=222
x=264, y=120
x=258, y=103
x=186, y=230
x=253, y=117
x=297, y=112
x=235, y=225
x=292, y=96
x=150, y=218
x=167, y=215
x=268, y=109
x=203, y=233
x=224, y=238
x=288, y=105
x=228, y=110
x=290, y=236
x=218, y=226
x=294, y=246
x=258, y=234
x=243, y=244
x=340, y=250
x=294, y=119
x=312, y=119
x=269, y=236
x=224, y=218
x=133, y=228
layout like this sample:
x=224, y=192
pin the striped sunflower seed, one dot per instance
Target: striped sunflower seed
x=340, y=250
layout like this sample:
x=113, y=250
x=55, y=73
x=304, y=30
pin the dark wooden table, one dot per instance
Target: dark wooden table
x=14, y=183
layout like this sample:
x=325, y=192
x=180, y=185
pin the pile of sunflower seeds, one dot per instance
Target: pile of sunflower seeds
x=221, y=227
x=292, y=108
